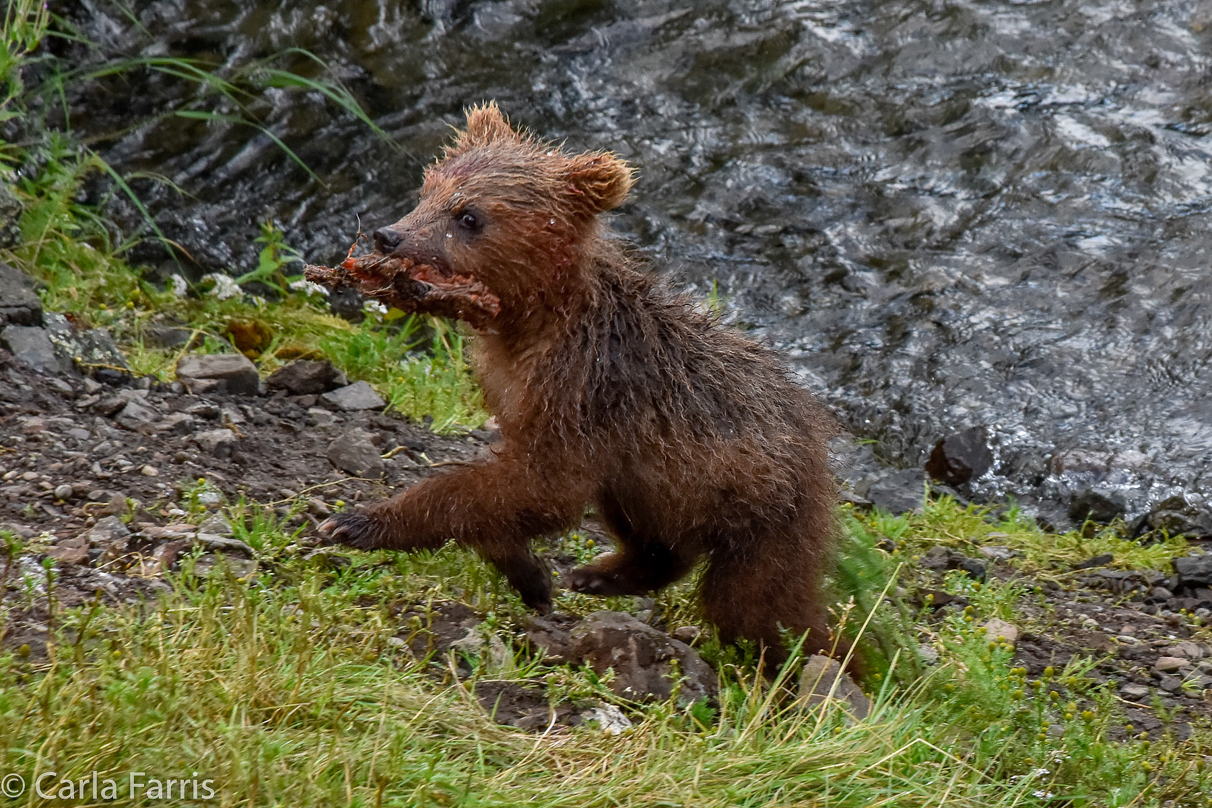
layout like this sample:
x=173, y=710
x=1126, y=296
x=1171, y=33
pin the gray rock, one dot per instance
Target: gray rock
x=218, y=442
x=1194, y=571
x=177, y=423
x=354, y=453
x=822, y=680
x=33, y=346
x=996, y=629
x=551, y=636
x=643, y=659
x=320, y=418
x=1097, y=504
x=305, y=377
x=899, y=492
x=90, y=350
x=218, y=374
x=217, y=525
x=1167, y=664
x=357, y=396
x=19, y=303
x=136, y=413
x=961, y=457
x=108, y=530
x=1177, y=516
x=1134, y=691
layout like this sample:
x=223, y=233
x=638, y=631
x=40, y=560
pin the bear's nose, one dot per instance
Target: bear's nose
x=386, y=240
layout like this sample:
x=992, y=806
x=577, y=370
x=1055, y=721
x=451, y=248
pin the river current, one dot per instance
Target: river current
x=947, y=214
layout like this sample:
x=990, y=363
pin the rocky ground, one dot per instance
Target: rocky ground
x=117, y=480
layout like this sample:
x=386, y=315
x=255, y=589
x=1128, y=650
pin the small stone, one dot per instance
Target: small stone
x=997, y=553
x=610, y=719
x=218, y=374
x=216, y=524
x=63, y=492
x=149, y=471
x=355, y=454
x=822, y=679
x=108, y=529
x=304, y=377
x=1134, y=691
x=70, y=551
x=218, y=442
x=1097, y=561
x=550, y=636
x=996, y=629
x=321, y=418
x=1169, y=664
x=687, y=634
x=357, y=396
x=1185, y=650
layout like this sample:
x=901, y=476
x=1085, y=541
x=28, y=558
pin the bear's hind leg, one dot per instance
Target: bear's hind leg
x=769, y=603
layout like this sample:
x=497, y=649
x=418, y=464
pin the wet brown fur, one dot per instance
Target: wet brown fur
x=688, y=440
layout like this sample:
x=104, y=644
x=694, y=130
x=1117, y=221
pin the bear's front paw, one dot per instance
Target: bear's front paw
x=351, y=529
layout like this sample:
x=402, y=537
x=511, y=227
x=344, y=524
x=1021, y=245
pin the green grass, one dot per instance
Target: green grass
x=287, y=689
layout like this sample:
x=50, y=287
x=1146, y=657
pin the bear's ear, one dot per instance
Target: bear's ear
x=485, y=125
x=598, y=181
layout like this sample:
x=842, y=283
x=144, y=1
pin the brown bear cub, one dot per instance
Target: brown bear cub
x=689, y=441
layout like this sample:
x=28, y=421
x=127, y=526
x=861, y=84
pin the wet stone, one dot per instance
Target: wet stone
x=1097, y=504
x=354, y=453
x=961, y=457
x=357, y=396
x=899, y=492
x=1194, y=571
x=305, y=377
x=218, y=374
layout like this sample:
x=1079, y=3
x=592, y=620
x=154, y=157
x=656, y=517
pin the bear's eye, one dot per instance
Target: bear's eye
x=468, y=221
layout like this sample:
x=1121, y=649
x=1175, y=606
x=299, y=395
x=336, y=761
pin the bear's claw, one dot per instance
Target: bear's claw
x=351, y=529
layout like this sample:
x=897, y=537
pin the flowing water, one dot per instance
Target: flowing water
x=946, y=213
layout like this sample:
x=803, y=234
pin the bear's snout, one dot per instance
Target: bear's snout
x=387, y=240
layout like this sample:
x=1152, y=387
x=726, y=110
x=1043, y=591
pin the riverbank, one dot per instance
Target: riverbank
x=164, y=607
